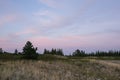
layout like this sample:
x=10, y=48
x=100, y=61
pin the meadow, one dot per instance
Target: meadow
x=60, y=68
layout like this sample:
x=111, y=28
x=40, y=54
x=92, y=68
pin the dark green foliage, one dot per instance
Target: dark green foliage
x=29, y=51
x=82, y=53
x=16, y=51
x=79, y=53
x=1, y=51
x=54, y=52
x=46, y=51
x=59, y=52
x=103, y=53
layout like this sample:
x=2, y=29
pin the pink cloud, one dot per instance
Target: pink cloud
x=99, y=41
x=20, y=34
x=7, y=19
x=88, y=41
x=10, y=44
x=27, y=31
x=5, y=43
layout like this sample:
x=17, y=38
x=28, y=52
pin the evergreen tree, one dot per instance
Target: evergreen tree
x=1, y=51
x=29, y=51
x=79, y=53
x=46, y=51
x=16, y=51
x=53, y=51
x=59, y=52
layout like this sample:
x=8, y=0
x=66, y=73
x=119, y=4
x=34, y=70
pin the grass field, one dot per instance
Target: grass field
x=60, y=69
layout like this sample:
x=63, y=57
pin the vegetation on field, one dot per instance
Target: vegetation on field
x=54, y=65
x=57, y=70
x=29, y=52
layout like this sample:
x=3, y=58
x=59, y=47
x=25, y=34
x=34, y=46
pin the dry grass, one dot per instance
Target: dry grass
x=112, y=63
x=57, y=70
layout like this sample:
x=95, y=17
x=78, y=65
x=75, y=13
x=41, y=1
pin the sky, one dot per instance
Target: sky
x=88, y=25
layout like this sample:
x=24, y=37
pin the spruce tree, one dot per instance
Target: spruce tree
x=16, y=51
x=29, y=51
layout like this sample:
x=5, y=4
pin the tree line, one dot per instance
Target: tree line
x=97, y=53
x=30, y=52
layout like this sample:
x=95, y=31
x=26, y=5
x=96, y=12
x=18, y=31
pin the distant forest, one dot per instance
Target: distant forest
x=29, y=52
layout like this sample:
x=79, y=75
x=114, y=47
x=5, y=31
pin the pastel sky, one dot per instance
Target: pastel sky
x=89, y=25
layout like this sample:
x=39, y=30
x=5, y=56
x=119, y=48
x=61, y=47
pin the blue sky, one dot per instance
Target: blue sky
x=69, y=24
